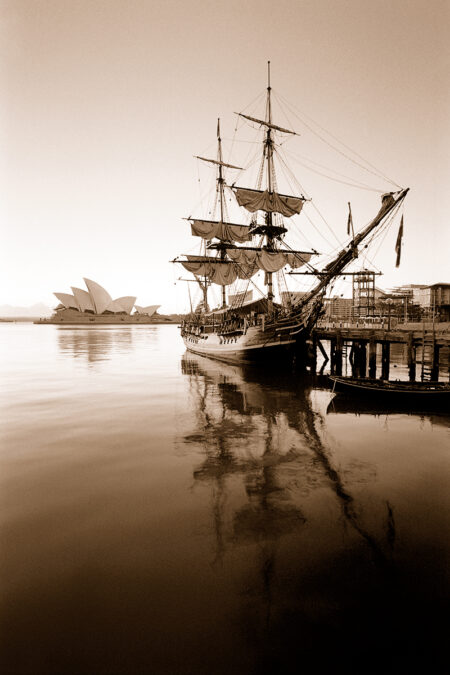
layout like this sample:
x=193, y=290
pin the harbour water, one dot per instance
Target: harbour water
x=163, y=513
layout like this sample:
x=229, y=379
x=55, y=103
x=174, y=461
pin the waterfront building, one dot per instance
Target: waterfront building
x=337, y=308
x=440, y=300
x=421, y=300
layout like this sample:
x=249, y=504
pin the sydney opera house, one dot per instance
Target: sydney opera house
x=95, y=305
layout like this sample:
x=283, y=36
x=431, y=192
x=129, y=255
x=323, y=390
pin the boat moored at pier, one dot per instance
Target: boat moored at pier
x=392, y=389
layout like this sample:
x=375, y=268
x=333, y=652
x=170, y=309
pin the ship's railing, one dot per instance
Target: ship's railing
x=380, y=323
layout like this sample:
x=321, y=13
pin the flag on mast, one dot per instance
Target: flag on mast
x=398, y=244
x=350, y=220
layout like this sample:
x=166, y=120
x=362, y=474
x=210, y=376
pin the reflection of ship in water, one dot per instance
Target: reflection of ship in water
x=236, y=421
x=94, y=344
x=260, y=432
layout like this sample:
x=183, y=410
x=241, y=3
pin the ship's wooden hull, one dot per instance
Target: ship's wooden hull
x=252, y=347
x=269, y=342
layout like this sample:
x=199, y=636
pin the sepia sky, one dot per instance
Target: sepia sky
x=103, y=104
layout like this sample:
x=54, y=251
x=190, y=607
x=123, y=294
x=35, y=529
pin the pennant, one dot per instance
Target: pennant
x=398, y=244
x=350, y=220
x=218, y=128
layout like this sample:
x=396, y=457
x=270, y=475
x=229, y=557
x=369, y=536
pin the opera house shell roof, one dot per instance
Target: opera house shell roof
x=97, y=300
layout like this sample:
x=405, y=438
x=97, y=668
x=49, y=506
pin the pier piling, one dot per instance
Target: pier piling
x=411, y=358
x=333, y=356
x=435, y=362
x=372, y=357
x=359, y=358
x=338, y=353
x=385, y=359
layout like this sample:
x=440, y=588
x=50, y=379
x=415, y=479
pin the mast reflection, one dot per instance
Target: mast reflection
x=260, y=432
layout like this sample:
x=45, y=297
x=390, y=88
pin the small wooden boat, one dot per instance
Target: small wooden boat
x=411, y=391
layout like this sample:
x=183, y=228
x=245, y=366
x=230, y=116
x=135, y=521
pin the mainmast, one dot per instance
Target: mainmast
x=268, y=199
x=269, y=155
x=220, y=181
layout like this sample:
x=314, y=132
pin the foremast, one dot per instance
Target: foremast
x=203, y=265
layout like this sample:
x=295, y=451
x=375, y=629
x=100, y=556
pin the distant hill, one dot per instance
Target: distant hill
x=38, y=310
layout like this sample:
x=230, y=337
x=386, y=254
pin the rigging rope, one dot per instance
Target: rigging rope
x=355, y=183
x=375, y=172
x=326, y=223
x=289, y=173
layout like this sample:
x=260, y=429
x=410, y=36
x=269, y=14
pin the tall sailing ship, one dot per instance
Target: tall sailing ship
x=242, y=329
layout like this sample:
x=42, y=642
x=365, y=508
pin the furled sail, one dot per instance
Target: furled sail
x=271, y=262
x=246, y=263
x=217, y=271
x=242, y=256
x=208, y=229
x=266, y=260
x=296, y=260
x=263, y=200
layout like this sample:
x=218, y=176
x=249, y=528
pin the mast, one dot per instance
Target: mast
x=224, y=231
x=269, y=154
x=220, y=181
x=204, y=287
x=267, y=198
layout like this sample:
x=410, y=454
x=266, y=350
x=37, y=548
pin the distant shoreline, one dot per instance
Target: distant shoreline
x=38, y=320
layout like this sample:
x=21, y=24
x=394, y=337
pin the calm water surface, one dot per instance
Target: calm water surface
x=164, y=513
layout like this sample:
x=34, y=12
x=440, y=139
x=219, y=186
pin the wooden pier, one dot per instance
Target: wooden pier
x=359, y=343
